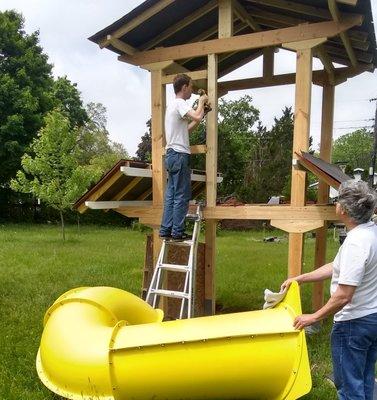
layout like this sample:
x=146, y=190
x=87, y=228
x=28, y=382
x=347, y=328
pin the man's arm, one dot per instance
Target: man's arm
x=197, y=115
x=319, y=274
x=342, y=296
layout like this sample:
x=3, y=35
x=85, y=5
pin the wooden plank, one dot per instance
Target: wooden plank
x=327, y=124
x=255, y=212
x=343, y=35
x=225, y=18
x=129, y=26
x=194, y=75
x=293, y=226
x=199, y=13
x=244, y=42
x=300, y=143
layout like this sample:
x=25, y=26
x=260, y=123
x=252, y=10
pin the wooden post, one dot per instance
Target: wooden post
x=300, y=142
x=323, y=189
x=225, y=18
x=158, y=95
x=211, y=187
x=268, y=62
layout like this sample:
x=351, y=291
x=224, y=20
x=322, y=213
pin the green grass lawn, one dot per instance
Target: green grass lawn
x=36, y=267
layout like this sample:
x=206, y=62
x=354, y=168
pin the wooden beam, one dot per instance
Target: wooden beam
x=343, y=35
x=129, y=26
x=346, y=73
x=182, y=23
x=194, y=75
x=243, y=42
x=285, y=79
x=225, y=18
x=328, y=97
x=244, y=16
x=293, y=226
x=301, y=131
x=127, y=189
x=247, y=211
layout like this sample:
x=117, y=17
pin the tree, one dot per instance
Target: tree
x=144, y=149
x=354, y=148
x=95, y=147
x=25, y=91
x=67, y=98
x=50, y=170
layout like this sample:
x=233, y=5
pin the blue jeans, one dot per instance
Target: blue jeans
x=178, y=193
x=354, y=354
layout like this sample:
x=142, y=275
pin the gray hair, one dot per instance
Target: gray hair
x=357, y=200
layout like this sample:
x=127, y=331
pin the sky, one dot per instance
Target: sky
x=124, y=90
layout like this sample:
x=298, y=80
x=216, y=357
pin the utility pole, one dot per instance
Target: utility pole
x=372, y=167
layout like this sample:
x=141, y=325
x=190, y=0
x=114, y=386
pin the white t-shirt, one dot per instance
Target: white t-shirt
x=176, y=126
x=356, y=265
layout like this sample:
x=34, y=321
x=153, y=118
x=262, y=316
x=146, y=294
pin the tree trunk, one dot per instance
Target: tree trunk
x=62, y=221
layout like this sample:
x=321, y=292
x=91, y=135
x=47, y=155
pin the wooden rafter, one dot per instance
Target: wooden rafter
x=127, y=189
x=118, y=44
x=244, y=16
x=279, y=20
x=299, y=8
x=129, y=26
x=322, y=54
x=180, y=25
x=243, y=42
x=343, y=35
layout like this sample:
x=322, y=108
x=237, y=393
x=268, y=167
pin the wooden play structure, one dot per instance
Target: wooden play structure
x=207, y=40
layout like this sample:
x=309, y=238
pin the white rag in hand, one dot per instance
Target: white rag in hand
x=272, y=299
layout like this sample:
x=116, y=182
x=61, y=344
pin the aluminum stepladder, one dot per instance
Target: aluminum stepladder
x=187, y=295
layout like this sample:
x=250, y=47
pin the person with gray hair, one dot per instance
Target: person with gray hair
x=353, y=298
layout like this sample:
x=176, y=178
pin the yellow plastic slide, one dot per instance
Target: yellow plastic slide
x=104, y=343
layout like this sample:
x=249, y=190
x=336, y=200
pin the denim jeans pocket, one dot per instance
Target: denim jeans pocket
x=359, y=342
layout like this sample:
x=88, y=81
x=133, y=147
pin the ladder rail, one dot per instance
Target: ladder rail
x=187, y=296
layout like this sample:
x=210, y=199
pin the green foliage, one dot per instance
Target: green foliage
x=144, y=149
x=354, y=149
x=95, y=149
x=67, y=98
x=269, y=161
x=51, y=171
x=25, y=91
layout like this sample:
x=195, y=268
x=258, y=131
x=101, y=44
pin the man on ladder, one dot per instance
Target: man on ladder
x=177, y=158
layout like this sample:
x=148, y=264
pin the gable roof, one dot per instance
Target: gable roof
x=165, y=23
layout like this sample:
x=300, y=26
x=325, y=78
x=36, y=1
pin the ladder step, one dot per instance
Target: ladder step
x=194, y=217
x=186, y=243
x=174, y=267
x=170, y=293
